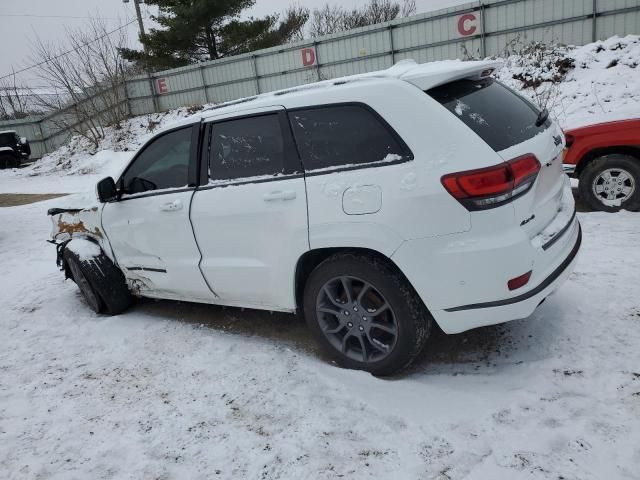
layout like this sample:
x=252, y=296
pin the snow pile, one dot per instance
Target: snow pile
x=537, y=64
x=580, y=85
x=81, y=157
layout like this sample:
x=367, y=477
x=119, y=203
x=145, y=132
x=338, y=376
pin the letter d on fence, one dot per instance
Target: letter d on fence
x=308, y=56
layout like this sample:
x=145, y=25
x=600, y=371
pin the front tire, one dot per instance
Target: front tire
x=365, y=314
x=611, y=183
x=101, y=283
x=89, y=293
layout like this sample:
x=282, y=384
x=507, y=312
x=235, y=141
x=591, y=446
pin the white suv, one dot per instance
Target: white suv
x=375, y=204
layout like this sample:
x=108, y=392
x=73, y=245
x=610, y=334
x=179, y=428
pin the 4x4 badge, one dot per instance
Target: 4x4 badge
x=557, y=139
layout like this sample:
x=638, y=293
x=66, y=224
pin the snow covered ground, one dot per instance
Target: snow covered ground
x=173, y=390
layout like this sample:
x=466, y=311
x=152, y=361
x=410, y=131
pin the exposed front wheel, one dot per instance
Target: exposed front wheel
x=611, y=183
x=365, y=314
x=101, y=283
x=90, y=295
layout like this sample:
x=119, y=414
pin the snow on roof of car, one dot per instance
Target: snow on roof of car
x=7, y=131
x=424, y=75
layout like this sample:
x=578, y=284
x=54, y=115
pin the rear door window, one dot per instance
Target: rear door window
x=344, y=135
x=495, y=113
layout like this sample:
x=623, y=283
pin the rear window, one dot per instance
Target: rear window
x=498, y=115
x=344, y=135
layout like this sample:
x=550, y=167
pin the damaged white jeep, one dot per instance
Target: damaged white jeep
x=374, y=204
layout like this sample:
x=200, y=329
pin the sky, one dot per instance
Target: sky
x=22, y=21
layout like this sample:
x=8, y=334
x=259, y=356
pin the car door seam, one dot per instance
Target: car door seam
x=195, y=239
x=106, y=234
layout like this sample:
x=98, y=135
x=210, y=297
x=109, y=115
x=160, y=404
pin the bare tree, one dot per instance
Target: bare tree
x=333, y=19
x=408, y=8
x=14, y=99
x=299, y=15
x=326, y=20
x=89, y=75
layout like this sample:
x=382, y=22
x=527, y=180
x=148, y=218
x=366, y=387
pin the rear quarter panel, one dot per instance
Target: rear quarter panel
x=414, y=202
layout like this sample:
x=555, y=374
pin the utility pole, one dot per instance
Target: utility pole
x=143, y=34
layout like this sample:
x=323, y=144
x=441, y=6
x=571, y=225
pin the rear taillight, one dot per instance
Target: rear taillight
x=494, y=186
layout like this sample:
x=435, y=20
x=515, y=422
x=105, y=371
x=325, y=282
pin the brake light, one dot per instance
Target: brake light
x=493, y=186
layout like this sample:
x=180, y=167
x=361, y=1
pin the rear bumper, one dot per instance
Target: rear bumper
x=466, y=317
x=462, y=278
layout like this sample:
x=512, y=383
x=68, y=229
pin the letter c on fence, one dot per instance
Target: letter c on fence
x=308, y=57
x=465, y=29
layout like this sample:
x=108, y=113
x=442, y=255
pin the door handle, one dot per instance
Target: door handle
x=279, y=195
x=172, y=206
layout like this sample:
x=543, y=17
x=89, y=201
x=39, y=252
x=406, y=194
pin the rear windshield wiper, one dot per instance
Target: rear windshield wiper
x=543, y=116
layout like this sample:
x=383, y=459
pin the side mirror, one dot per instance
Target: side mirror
x=23, y=140
x=107, y=191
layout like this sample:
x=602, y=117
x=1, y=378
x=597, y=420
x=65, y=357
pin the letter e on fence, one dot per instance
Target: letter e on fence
x=161, y=85
x=308, y=56
x=467, y=24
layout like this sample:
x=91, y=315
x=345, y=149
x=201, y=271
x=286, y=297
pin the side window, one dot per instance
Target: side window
x=247, y=147
x=164, y=163
x=343, y=135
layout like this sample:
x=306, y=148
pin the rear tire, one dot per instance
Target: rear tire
x=611, y=183
x=101, y=282
x=380, y=326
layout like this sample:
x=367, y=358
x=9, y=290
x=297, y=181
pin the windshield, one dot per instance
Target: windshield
x=494, y=112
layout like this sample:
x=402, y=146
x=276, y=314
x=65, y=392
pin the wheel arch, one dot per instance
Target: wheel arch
x=312, y=258
x=591, y=155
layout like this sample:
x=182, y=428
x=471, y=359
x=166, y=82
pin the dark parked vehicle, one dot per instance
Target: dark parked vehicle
x=13, y=149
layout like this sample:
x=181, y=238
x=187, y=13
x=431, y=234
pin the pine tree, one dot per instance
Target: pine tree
x=198, y=30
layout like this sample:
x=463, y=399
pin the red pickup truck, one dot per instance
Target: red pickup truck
x=606, y=159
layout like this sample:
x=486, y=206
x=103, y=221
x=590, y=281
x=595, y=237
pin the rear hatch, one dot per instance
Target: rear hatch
x=513, y=127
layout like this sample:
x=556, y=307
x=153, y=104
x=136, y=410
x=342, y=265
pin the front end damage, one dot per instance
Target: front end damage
x=75, y=223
